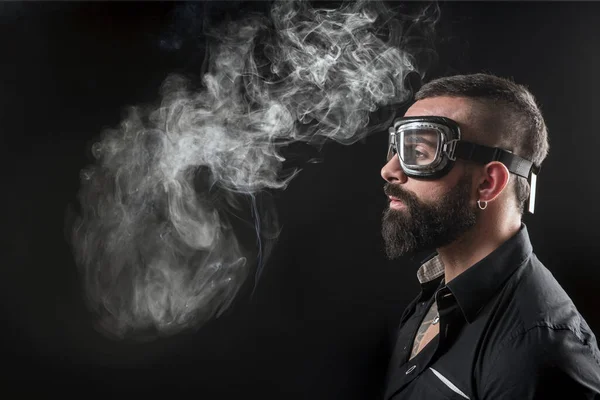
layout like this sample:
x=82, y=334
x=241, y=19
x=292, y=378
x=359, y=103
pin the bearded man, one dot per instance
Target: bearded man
x=491, y=322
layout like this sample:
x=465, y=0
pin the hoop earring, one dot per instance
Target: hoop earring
x=482, y=207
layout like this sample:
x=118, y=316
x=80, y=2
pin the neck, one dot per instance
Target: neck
x=478, y=243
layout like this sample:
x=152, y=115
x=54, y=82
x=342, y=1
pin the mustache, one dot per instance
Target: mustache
x=401, y=194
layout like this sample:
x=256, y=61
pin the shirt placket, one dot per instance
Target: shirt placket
x=446, y=309
x=405, y=370
x=409, y=370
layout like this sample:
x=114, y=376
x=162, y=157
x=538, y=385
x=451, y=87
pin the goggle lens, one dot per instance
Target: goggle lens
x=419, y=147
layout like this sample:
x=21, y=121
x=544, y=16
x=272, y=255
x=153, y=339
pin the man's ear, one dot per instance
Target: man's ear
x=493, y=181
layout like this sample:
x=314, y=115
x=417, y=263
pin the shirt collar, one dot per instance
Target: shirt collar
x=431, y=268
x=474, y=287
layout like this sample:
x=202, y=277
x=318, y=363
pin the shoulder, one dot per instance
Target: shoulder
x=538, y=314
x=542, y=343
x=542, y=361
x=534, y=300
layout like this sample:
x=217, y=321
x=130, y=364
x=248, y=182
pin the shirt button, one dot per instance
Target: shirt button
x=411, y=369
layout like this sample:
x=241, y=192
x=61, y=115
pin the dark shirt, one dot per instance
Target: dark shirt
x=507, y=331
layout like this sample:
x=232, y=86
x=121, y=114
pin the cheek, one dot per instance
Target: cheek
x=427, y=191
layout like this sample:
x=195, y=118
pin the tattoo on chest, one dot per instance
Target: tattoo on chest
x=427, y=322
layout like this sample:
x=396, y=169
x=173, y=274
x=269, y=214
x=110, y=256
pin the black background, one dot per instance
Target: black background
x=315, y=326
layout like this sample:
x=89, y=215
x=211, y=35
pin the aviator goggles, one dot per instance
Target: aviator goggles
x=427, y=148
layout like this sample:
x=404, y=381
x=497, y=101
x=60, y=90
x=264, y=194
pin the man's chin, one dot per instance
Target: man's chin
x=396, y=247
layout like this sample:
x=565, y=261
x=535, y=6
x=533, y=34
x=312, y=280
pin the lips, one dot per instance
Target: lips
x=396, y=203
x=398, y=198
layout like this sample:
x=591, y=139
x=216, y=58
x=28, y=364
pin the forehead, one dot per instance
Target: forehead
x=459, y=109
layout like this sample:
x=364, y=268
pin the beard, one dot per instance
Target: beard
x=420, y=226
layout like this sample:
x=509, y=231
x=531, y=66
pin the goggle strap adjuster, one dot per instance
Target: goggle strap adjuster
x=450, y=149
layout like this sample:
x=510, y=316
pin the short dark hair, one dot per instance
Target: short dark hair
x=515, y=117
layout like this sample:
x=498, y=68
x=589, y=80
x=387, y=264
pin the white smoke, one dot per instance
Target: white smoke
x=156, y=247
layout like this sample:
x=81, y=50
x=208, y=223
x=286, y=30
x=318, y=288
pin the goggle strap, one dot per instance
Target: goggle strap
x=484, y=154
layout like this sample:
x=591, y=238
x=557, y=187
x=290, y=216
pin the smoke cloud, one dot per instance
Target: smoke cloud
x=154, y=237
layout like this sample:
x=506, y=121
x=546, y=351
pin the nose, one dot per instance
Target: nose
x=392, y=171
